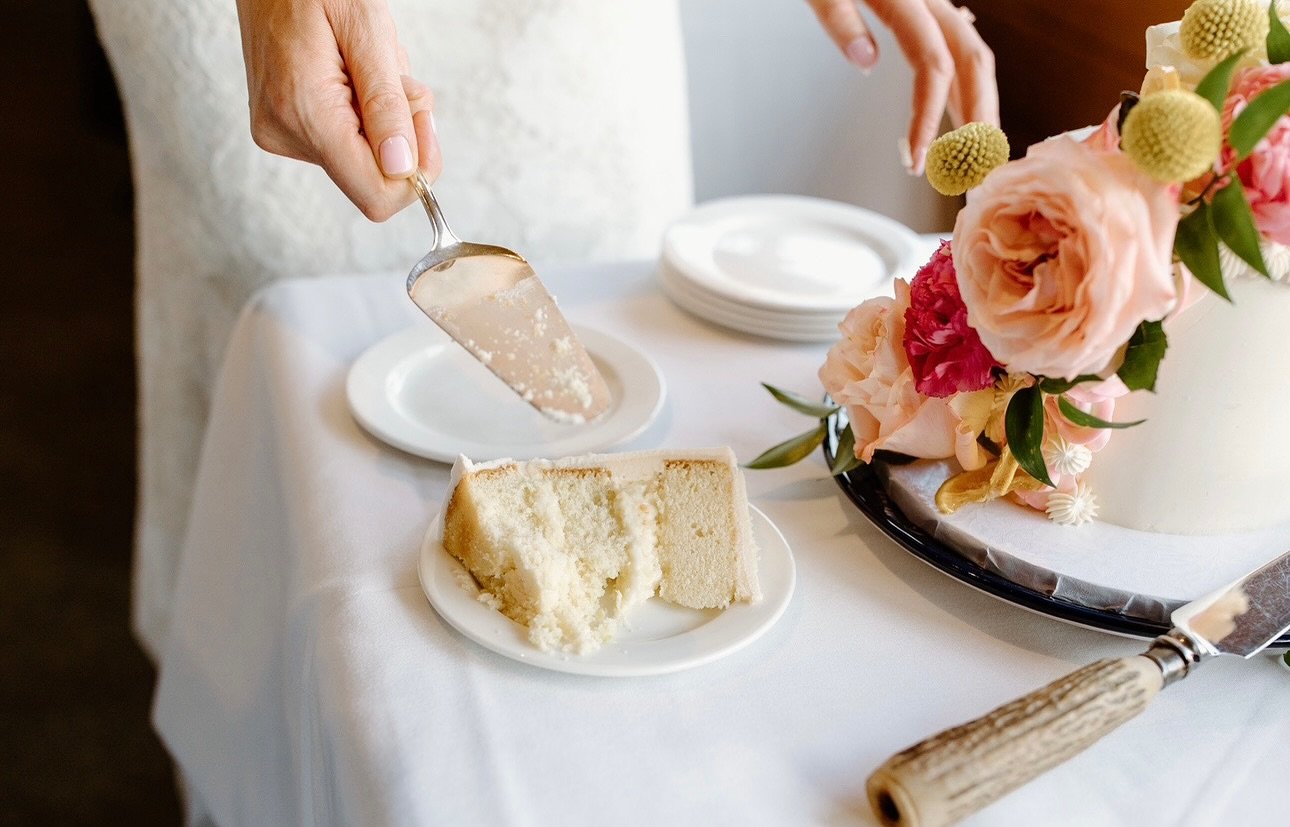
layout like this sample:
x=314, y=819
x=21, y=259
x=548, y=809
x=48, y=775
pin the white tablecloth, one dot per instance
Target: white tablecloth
x=306, y=680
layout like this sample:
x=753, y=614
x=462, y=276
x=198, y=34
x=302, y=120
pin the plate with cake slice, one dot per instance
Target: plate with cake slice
x=618, y=565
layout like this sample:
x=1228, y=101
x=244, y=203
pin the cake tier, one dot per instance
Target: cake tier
x=1214, y=453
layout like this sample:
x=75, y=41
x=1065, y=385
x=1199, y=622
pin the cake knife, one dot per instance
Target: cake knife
x=491, y=302
x=952, y=775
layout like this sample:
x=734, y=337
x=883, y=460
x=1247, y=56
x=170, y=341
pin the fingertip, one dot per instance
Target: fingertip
x=862, y=52
x=431, y=155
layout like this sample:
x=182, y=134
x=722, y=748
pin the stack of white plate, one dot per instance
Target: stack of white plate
x=785, y=267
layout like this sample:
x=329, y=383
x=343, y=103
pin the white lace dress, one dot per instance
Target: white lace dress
x=564, y=133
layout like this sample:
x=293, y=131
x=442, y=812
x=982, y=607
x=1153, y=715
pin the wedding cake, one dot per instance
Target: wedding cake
x=568, y=547
x=1105, y=334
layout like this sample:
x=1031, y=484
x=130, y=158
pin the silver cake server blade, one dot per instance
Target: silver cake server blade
x=491, y=302
x=1241, y=619
x=952, y=775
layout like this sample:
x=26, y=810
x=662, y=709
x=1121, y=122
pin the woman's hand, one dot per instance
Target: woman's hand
x=953, y=68
x=329, y=84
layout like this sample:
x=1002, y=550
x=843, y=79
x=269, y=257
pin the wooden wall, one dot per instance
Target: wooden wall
x=1063, y=63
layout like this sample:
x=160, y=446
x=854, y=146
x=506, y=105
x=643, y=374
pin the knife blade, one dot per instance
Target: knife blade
x=953, y=774
x=492, y=303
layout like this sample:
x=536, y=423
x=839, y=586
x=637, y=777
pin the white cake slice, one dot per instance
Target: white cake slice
x=567, y=547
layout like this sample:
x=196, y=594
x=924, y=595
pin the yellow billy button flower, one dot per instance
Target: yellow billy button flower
x=1172, y=136
x=959, y=160
x=1214, y=29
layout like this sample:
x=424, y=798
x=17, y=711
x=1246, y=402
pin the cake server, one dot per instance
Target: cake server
x=492, y=303
x=952, y=775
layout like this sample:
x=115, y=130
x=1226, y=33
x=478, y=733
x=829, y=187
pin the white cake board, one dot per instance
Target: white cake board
x=1098, y=565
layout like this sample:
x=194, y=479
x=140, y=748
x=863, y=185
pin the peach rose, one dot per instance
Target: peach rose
x=868, y=372
x=1061, y=254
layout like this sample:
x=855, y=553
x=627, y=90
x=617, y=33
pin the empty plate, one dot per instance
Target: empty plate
x=423, y=393
x=791, y=254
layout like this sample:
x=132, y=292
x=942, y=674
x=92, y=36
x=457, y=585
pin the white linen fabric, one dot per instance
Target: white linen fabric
x=306, y=680
x=564, y=132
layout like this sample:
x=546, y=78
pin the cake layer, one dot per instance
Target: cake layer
x=568, y=546
x=1214, y=454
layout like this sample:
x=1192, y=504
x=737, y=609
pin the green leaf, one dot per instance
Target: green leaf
x=1278, y=37
x=1146, y=348
x=1056, y=386
x=1023, y=422
x=800, y=403
x=1087, y=420
x=1258, y=117
x=792, y=450
x=1235, y=224
x=846, y=460
x=1196, y=244
x=1213, y=87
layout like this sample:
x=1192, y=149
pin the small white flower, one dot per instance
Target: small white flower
x=1068, y=459
x=1072, y=509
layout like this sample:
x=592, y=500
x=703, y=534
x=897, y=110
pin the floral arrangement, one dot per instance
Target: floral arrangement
x=1008, y=349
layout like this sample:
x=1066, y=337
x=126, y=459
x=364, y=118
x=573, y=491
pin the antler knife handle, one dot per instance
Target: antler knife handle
x=952, y=775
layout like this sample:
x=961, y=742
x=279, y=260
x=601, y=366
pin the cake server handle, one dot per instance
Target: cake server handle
x=949, y=776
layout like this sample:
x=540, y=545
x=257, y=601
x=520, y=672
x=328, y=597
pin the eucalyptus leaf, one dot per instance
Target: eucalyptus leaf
x=1087, y=420
x=800, y=403
x=1278, y=37
x=1055, y=386
x=1234, y=224
x=1196, y=244
x=791, y=450
x=1023, y=422
x=1142, y=359
x=1258, y=117
x=846, y=460
x=1213, y=87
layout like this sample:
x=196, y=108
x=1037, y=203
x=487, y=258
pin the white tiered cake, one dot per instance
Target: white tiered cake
x=1213, y=455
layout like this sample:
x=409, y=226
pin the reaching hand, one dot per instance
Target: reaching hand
x=953, y=68
x=329, y=84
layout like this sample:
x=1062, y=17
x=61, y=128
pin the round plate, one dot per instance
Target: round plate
x=866, y=489
x=662, y=637
x=791, y=253
x=747, y=322
x=423, y=393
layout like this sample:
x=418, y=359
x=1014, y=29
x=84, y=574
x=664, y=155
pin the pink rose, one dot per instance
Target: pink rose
x=867, y=371
x=1061, y=254
x=944, y=351
x=1266, y=172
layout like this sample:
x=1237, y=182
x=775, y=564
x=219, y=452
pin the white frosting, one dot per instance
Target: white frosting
x=1066, y=458
x=1074, y=508
x=1213, y=455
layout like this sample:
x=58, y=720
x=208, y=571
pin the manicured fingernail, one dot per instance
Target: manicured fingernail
x=920, y=162
x=396, y=157
x=906, y=157
x=863, y=53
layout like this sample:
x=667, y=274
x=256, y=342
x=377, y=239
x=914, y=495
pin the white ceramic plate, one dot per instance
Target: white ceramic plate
x=785, y=252
x=423, y=393
x=662, y=637
x=749, y=320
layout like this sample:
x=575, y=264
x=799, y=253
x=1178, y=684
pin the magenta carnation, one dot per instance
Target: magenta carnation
x=945, y=352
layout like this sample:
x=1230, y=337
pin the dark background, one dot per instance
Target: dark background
x=76, y=746
x=75, y=743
